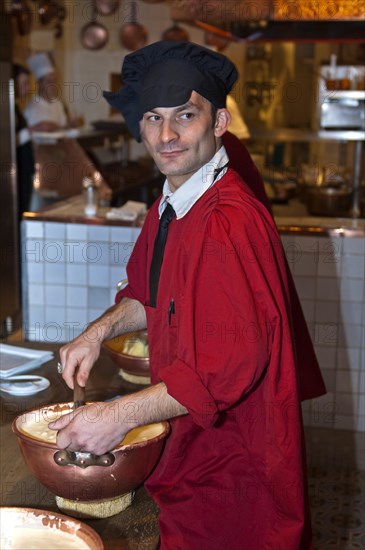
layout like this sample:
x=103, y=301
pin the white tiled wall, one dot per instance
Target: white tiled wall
x=70, y=272
x=69, y=275
x=329, y=273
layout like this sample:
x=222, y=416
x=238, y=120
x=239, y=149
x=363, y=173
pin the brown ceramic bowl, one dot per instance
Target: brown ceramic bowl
x=32, y=528
x=133, y=365
x=133, y=461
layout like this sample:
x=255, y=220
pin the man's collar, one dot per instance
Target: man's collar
x=184, y=198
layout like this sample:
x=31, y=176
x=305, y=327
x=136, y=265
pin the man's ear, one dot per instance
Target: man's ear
x=222, y=120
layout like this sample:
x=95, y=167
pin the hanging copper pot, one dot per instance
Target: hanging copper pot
x=175, y=34
x=133, y=36
x=107, y=7
x=215, y=41
x=94, y=35
x=23, y=14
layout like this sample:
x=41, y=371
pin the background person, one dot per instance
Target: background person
x=46, y=112
x=223, y=364
x=24, y=146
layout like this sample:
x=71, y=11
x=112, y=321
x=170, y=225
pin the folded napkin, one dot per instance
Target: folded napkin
x=128, y=212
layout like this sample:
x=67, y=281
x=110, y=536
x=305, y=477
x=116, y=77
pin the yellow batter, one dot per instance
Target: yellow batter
x=36, y=425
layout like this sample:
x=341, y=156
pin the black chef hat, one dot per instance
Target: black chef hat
x=164, y=74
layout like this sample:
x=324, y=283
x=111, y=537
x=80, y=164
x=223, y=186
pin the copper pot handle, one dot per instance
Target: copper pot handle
x=81, y=459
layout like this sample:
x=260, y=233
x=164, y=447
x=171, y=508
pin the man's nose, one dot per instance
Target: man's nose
x=168, y=132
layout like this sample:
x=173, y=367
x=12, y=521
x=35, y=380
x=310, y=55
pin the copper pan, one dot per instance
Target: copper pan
x=94, y=35
x=107, y=7
x=214, y=40
x=175, y=33
x=133, y=36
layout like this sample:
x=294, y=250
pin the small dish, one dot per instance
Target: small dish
x=24, y=384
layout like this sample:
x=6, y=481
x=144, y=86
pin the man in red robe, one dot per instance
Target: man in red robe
x=215, y=298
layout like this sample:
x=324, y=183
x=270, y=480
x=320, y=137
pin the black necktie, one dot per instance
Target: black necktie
x=158, y=251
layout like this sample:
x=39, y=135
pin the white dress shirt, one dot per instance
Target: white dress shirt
x=184, y=198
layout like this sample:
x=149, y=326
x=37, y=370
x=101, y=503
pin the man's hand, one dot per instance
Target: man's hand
x=99, y=427
x=96, y=428
x=83, y=351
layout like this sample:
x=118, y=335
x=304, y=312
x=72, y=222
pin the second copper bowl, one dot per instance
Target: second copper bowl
x=130, y=364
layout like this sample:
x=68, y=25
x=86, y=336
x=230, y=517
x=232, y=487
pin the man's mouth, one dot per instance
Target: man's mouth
x=171, y=153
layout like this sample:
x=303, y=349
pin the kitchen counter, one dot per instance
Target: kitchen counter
x=294, y=218
x=290, y=218
x=72, y=211
x=136, y=527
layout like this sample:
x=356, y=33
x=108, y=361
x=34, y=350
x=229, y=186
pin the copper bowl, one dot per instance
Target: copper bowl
x=130, y=364
x=31, y=528
x=133, y=462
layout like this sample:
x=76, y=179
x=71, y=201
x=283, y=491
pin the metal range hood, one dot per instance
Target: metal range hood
x=275, y=20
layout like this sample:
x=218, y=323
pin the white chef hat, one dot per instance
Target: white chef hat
x=40, y=65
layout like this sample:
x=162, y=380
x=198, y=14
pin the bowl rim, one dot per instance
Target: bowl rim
x=94, y=537
x=124, y=448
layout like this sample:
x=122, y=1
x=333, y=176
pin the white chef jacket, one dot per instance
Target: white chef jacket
x=40, y=110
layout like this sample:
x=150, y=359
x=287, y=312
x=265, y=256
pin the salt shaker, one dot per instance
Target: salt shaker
x=90, y=196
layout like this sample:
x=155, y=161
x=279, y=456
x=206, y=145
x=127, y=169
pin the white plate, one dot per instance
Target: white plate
x=24, y=385
x=16, y=360
x=29, y=528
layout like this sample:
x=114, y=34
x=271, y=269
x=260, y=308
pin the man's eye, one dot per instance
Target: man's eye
x=153, y=118
x=186, y=116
